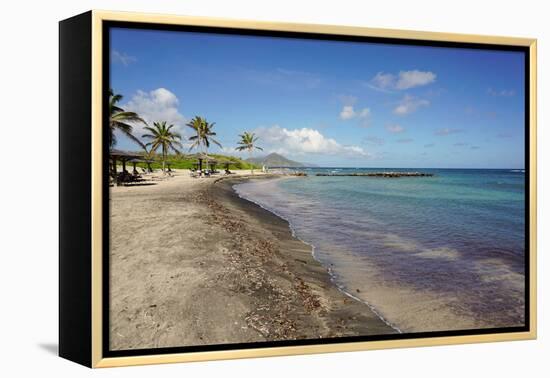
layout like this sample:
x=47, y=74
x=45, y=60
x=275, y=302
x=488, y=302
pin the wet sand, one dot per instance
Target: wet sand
x=194, y=264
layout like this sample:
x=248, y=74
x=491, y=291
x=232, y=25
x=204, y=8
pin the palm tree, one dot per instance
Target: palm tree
x=247, y=142
x=119, y=118
x=203, y=134
x=162, y=136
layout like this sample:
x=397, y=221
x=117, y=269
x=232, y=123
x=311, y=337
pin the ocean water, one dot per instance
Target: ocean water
x=425, y=253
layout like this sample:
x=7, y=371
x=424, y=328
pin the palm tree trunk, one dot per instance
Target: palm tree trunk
x=206, y=154
x=163, y=158
x=251, y=163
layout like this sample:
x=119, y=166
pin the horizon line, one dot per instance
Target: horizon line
x=346, y=167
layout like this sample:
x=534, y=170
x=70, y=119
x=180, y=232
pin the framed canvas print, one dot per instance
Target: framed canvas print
x=235, y=189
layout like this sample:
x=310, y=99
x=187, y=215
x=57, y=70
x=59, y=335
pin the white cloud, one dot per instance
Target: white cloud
x=364, y=113
x=415, y=78
x=122, y=58
x=156, y=106
x=303, y=141
x=501, y=93
x=403, y=80
x=383, y=82
x=348, y=112
x=395, y=129
x=409, y=104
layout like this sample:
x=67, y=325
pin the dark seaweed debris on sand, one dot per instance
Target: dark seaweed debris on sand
x=250, y=259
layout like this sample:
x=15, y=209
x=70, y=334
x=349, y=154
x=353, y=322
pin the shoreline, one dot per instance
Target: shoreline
x=192, y=263
x=227, y=185
x=332, y=276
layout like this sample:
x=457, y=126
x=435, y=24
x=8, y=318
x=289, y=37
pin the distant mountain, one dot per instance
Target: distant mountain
x=276, y=160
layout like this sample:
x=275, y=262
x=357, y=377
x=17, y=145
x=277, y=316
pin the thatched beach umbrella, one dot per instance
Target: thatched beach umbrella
x=203, y=158
x=134, y=162
x=168, y=164
x=205, y=161
x=200, y=159
x=123, y=156
x=148, y=162
x=212, y=163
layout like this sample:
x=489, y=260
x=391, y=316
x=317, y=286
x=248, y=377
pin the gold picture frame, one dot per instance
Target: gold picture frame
x=94, y=22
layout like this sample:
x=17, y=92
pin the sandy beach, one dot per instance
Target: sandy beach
x=191, y=263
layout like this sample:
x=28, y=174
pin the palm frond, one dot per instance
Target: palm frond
x=132, y=137
x=248, y=141
x=216, y=142
x=115, y=109
x=127, y=116
x=119, y=119
x=121, y=126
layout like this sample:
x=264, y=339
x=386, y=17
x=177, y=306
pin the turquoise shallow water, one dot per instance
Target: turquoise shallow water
x=428, y=253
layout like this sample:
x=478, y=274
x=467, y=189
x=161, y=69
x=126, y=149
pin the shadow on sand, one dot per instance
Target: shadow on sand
x=137, y=184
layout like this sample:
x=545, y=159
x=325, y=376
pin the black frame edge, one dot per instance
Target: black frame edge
x=75, y=279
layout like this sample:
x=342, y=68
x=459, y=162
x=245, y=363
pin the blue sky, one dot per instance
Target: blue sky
x=329, y=103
